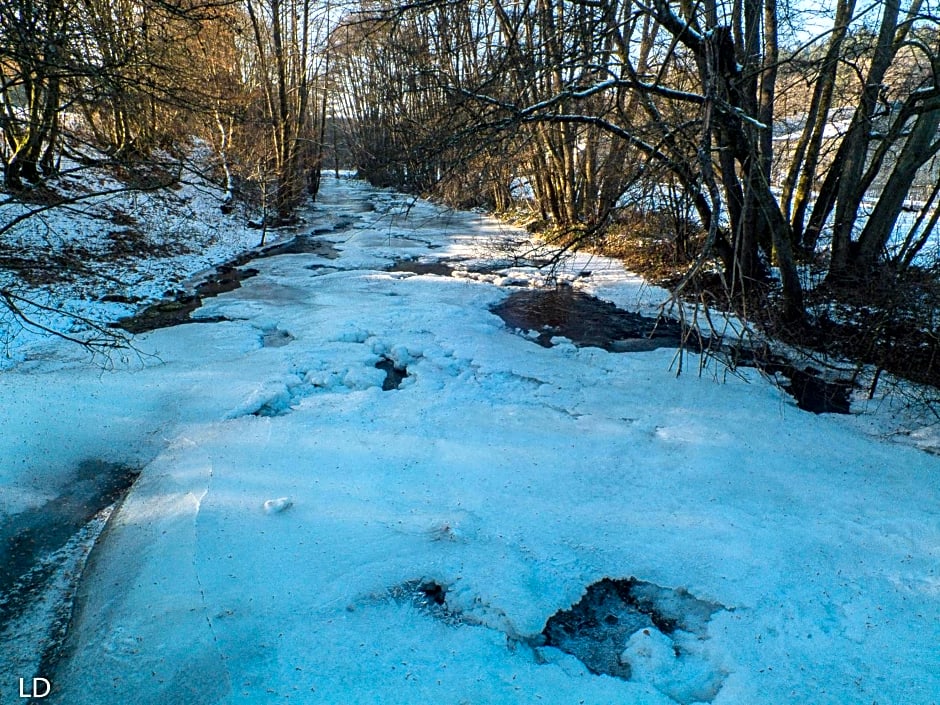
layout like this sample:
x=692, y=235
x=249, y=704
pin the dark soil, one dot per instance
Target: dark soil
x=66, y=261
x=129, y=243
x=39, y=266
x=889, y=321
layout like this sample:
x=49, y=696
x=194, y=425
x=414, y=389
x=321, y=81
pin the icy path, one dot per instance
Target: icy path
x=501, y=478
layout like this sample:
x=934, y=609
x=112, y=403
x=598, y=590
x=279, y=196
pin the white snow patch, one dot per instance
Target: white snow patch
x=276, y=506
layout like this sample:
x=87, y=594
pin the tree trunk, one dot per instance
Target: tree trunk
x=853, y=152
x=802, y=172
x=918, y=149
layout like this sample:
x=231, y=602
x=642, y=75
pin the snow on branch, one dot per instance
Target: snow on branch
x=678, y=27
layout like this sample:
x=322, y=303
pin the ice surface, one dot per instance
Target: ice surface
x=511, y=475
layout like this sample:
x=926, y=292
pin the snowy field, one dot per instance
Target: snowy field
x=299, y=534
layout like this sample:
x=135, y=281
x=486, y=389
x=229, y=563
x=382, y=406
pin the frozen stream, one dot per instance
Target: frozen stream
x=359, y=486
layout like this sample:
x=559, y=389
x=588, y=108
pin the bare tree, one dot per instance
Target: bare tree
x=290, y=76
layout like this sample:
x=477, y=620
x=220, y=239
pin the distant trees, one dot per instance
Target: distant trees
x=288, y=77
x=596, y=103
x=400, y=77
x=892, y=133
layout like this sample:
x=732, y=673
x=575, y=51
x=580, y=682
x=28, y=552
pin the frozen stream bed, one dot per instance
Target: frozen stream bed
x=502, y=522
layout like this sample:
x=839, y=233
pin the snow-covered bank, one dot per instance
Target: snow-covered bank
x=507, y=476
x=98, y=258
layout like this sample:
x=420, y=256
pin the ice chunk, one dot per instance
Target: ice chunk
x=276, y=506
x=655, y=659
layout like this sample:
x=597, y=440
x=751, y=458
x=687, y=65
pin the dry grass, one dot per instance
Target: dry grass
x=889, y=322
x=655, y=245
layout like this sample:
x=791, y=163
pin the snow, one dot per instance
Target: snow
x=122, y=243
x=652, y=658
x=286, y=502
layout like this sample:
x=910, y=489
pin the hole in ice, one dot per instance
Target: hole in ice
x=272, y=408
x=587, y=321
x=813, y=393
x=301, y=245
x=394, y=374
x=807, y=386
x=276, y=338
x=321, y=269
x=277, y=402
x=432, y=592
x=642, y=632
x=339, y=226
x=426, y=595
x=440, y=268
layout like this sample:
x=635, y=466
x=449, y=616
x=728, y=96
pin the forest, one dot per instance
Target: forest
x=775, y=160
x=469, y=351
